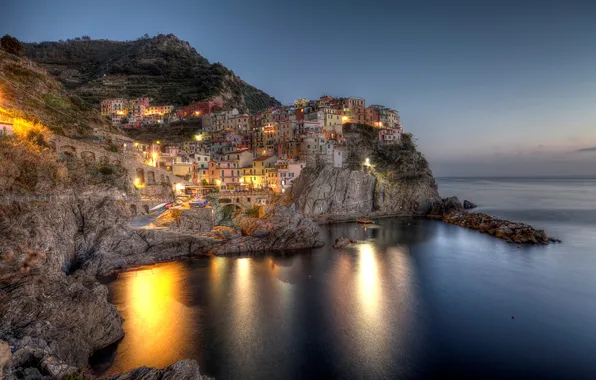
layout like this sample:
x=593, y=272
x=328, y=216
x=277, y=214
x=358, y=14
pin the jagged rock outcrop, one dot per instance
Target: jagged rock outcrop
x=469, y=205
x=181, y=370
x=281, y=229
x=395, y=183
x=438, y=208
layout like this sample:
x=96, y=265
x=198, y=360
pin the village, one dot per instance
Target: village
x=233, y=151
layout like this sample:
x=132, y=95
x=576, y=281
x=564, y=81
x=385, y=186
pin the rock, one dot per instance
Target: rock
x=260, y=233
x=286, y=230
x=72, y=312
x=5, y=356
x=181, y=370
x=440, y=208
x=342, y=242
x=469, y=205
x=519, y=233
x=399, y=183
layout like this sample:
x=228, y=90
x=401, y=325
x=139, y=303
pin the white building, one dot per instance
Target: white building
x=389, y=136
x=340, y=156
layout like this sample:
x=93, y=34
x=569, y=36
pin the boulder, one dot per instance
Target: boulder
x=469, y=205
x=342, y=242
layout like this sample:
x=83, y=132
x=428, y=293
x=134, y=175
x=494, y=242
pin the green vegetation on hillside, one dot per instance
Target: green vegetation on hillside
x=392, y=162
x=28, y=91
x=163, y=68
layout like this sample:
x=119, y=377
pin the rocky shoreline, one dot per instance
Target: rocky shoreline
x=54, y=314
x=50, y=336
x=451, y=211
x=511, y=232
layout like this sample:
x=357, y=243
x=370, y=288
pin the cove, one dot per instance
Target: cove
x=413, y=299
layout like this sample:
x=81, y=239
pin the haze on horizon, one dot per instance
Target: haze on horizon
x=489, y=88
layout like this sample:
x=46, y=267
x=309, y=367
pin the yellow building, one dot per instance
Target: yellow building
x=256, y=177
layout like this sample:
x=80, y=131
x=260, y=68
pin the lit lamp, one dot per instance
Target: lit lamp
x=367, y=162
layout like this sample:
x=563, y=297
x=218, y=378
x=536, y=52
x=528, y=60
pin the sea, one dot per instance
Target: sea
x=414, y=299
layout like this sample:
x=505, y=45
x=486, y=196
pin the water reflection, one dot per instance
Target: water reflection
x=368, y=281
x=152, y=304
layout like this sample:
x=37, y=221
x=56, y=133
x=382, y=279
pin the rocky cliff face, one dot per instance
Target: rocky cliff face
x=397, y=182
x=164, y=68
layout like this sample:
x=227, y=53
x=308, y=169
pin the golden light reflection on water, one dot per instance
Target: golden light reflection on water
x=154, y=317
x=244, y=300
x=368, y=280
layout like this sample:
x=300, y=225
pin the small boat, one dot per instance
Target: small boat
x=198, y=202
x=365, y=221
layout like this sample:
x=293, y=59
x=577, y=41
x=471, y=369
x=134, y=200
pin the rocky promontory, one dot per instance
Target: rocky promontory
x=393, y=182
x=450, y=210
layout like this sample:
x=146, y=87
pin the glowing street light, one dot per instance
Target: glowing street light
x=367, y=162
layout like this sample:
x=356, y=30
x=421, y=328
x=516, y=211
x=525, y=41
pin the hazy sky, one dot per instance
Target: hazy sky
x=488, y=87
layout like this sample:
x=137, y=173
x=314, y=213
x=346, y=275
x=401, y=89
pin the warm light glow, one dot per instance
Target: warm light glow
x=344, y=118
x=197, y=113
x=138, y=183
x=180, y=187
x=217, y=182
x=367, y=162
x=157, y=142
x=198, y=137
x=154, y=155
x=155, y=315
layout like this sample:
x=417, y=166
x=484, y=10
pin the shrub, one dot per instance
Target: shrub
x=12, y=45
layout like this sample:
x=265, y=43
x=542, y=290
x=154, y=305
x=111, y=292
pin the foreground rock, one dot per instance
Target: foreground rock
x=181, y=370
x=54, y=313
x=55, y=322
x=512, y=232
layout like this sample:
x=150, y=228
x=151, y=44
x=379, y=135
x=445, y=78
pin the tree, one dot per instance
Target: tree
x=12, y=45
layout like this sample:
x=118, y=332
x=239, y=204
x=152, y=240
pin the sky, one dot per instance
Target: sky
x=489, y=88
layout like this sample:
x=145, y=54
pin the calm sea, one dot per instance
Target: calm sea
x=415, y=299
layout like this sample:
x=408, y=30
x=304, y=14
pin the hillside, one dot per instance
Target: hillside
x=29, y=92
x=164, y=68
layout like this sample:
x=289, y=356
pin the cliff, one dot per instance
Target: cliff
x=398, y=181
x=164, y=68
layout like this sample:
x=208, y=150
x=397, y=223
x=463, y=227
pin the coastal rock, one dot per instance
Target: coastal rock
x=469, y=205
x=71, y=313
x=512, y=232
x=342, y=242
x=190, y=221
x=438, y=208
x=397, y=181
x=281, y=229
x=181, y=370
